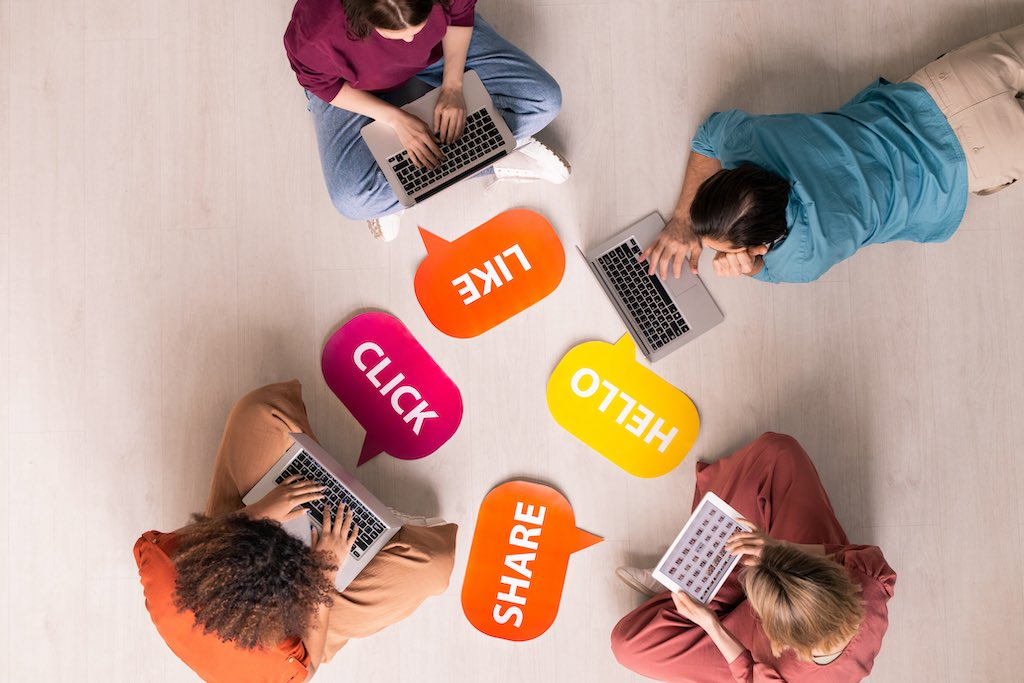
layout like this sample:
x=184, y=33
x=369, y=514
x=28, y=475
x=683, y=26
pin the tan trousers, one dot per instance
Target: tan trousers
x=415, y=565
x=978, y=87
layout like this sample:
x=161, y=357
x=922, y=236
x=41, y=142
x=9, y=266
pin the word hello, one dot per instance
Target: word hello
x=639, y=421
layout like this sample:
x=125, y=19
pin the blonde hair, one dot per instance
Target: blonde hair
x=805, y=602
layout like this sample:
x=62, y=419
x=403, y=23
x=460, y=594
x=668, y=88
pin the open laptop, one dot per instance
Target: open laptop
x=486, y=139
x=661, y=315
x=310, y=461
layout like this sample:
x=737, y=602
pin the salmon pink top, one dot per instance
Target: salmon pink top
x=866, y=566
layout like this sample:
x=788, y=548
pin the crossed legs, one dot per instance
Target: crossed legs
x=416, y=563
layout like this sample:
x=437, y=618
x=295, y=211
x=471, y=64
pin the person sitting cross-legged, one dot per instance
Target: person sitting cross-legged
x=803, y=605
x=240, y=600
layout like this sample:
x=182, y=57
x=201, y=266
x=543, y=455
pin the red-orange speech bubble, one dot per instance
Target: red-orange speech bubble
x=524, y=535
x=494, y=271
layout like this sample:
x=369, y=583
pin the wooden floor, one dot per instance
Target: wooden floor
x=166, y=244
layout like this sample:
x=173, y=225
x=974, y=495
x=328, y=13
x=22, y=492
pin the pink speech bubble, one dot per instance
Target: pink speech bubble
x=406, y=403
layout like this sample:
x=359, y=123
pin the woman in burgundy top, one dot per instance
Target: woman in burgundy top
x=804, y=606
x=348, y=54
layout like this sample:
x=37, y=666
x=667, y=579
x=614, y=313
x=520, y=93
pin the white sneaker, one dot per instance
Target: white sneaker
x=533, y=161
x=640, y=580
x=385, y=228
x=411, y=520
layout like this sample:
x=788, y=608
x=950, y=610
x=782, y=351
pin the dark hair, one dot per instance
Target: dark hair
x=744, y=206
x=362, y=16
x=248, y=581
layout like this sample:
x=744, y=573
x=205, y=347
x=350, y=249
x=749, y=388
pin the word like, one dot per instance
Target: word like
x=489, y=276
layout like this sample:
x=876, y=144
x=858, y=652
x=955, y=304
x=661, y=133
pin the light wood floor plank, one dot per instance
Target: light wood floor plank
x=199, y=328
x=5, y=117
x=969, y=440
x=123, y=340
x=47, y=202
x=198, y=83
x=5, y=489
x=49, y=588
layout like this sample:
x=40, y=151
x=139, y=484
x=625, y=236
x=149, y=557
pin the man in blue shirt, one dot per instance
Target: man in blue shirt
x=784, y=198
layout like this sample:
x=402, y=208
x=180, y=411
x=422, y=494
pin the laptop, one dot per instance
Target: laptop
x=377, y=524
x=485, y=139
x=661, y=315
x=697, y=562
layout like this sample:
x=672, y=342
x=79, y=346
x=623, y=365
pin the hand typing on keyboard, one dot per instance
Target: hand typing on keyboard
x=337, y=535
x=286, y=500
x=417, y=138
x=450, y=114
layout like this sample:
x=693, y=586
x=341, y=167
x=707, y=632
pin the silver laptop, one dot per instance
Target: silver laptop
x=486, y=139
x=375, y=520
x=661, y=315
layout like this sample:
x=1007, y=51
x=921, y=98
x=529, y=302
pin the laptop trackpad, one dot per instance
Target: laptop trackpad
x=299, y=528
x=678, y=285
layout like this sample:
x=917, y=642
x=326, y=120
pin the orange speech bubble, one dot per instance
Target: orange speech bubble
x=494, y=271
x=524, y=535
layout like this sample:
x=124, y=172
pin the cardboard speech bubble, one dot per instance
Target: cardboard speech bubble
x=603, y=397
x=406, y=403
x=488, y=275
x=524, y=535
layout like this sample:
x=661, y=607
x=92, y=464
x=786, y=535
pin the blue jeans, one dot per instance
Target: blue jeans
x=527, y=97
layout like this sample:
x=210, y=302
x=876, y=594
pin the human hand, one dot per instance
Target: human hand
x=450, y=114
x=417, y=137
x=675, y=243
x=699, y=614
x=283, y=502
x=336, y=537
x=733, y=263
x=750, y=543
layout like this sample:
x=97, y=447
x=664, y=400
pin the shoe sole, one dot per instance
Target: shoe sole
x=632, y=583
x=561, y=159
x=375, y=230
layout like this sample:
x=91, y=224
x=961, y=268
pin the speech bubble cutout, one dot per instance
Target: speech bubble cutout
x=406, y=403
x=603, y=397
x=488, y=275
x=524, y=535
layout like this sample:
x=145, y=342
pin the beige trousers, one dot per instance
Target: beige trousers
x=415, y=565
x=978, y=87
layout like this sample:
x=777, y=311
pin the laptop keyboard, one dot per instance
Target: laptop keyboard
x=643, y=295
x=336, y=496
x=479, y=140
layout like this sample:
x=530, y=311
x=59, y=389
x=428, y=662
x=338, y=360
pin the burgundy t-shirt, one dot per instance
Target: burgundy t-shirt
x=324, y=56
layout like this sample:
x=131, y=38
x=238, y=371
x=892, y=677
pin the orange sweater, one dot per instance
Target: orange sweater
x=214, y=660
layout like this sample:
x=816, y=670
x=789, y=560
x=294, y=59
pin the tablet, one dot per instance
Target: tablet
x=697, y=561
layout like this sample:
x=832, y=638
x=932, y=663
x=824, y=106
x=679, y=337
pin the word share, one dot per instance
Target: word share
x=408, y=406
x=525, y=533
x=601, y=395
x=490, y=274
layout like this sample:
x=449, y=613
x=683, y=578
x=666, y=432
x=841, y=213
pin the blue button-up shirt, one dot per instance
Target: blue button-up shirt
x=886, y=166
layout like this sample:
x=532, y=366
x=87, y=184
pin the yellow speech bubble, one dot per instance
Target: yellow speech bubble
x=603, y=397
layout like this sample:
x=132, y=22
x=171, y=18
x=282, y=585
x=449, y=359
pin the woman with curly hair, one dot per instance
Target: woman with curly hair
x=805, y=605
x=238, y=599
x=352, y=56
